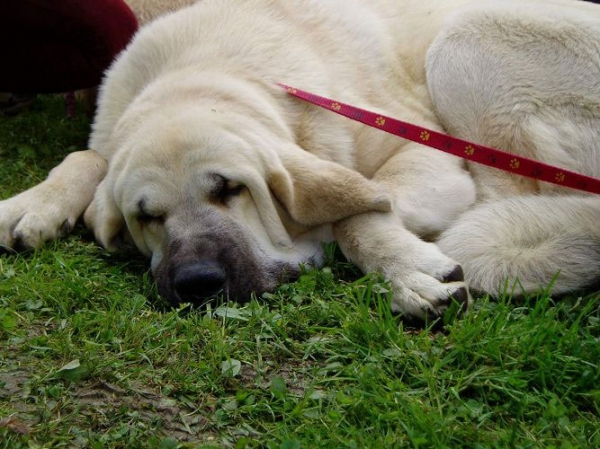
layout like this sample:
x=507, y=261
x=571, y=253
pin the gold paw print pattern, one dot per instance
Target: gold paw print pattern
x=336, y=106
x=560, y=177
x=425, y=136
x=380, y=121
x=514, y=164
x=469, y=150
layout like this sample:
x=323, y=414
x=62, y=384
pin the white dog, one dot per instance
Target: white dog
x=229, y=184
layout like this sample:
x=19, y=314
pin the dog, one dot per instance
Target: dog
x=229, y=184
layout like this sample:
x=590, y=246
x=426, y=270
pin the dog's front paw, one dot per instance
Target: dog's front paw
x=430, y=287
x=33, y=217
x=50, y=209
x=425, y=281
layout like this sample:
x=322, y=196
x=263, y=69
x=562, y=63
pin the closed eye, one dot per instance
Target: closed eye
x=232, y=189
x=225, y=189
x=145, y=216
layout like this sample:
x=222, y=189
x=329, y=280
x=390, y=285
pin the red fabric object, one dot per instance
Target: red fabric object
x=60, y=45
x=471, y=151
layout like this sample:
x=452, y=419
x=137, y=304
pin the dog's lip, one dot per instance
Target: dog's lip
x=206, y=298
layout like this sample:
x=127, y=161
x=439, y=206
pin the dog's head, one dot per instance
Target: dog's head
x=222, y=201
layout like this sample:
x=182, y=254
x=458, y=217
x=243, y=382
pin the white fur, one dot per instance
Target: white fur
x=194, y=95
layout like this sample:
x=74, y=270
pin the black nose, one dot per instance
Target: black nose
x=197, y=282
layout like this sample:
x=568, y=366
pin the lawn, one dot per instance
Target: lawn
x=91, y=357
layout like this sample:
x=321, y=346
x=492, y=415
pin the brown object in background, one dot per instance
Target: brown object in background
x=58, y=46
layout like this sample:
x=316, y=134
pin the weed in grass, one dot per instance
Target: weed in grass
x=91, y=357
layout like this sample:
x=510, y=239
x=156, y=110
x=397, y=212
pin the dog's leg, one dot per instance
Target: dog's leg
x=532, y=240
x=429, y=189
x=528, y=81
x=51, y=208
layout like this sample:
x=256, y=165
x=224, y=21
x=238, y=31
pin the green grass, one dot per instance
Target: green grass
x=90, y=357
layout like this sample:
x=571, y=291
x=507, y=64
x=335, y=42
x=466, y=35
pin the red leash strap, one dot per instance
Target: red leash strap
x=468, y=150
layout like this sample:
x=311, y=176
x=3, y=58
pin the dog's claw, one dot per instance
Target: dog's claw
x=456, y=275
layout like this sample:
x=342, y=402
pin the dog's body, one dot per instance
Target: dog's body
x=228, y=183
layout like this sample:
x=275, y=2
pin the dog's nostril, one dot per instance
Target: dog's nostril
x=199, y=281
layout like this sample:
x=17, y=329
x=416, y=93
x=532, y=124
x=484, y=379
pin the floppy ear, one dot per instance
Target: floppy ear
x=315, y=191
x=105, y=219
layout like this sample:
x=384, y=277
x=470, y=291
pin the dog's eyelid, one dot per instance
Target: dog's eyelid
x=230, y=189
x=233, y=188
x=226, y=188
x=146, y=216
